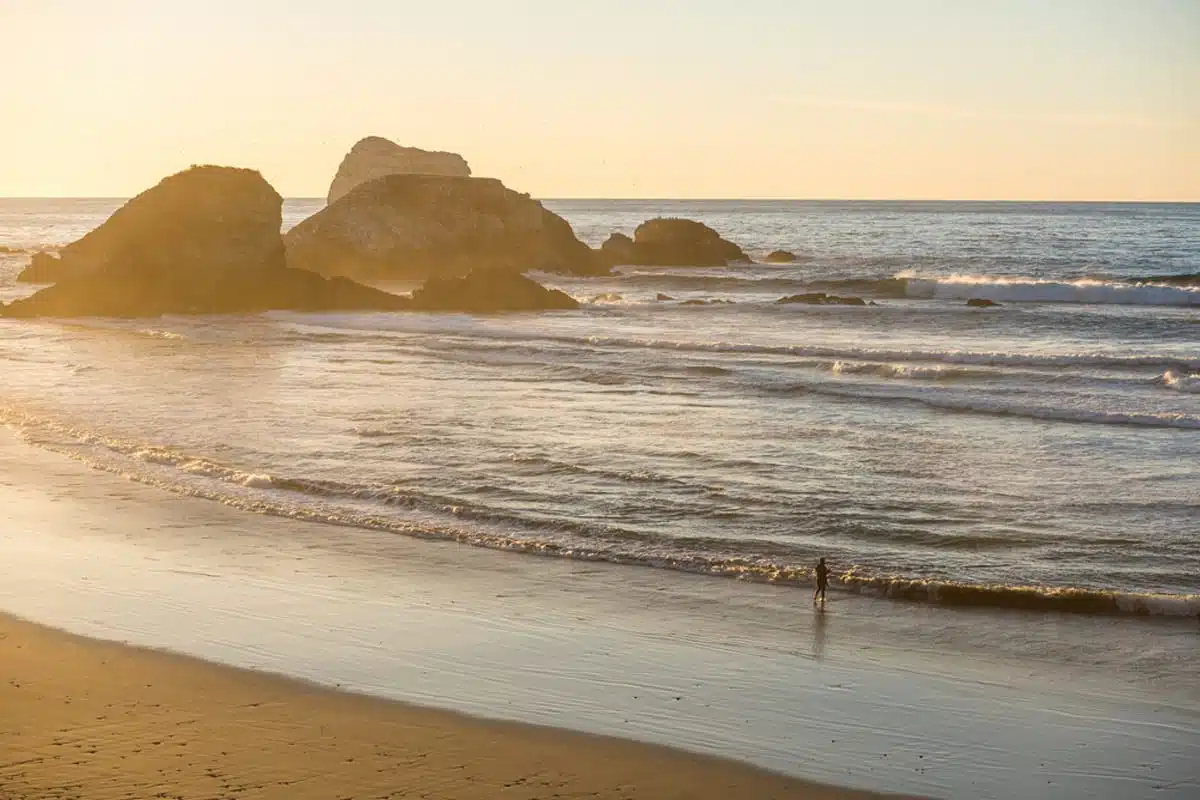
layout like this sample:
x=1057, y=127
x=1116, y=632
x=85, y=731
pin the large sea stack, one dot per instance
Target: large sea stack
x=374, y=157
x=667, y=242
x=420, y=226
x=204, y=241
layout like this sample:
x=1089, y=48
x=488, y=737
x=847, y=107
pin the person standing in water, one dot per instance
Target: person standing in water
x=822, y=581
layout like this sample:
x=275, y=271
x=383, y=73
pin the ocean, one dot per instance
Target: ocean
x=1040, y=454
x=1015, y=484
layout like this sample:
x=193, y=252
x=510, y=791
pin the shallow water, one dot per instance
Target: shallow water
x=921, y=445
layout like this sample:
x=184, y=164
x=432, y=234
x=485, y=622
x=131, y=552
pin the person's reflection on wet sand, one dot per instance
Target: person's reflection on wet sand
x=819, y=634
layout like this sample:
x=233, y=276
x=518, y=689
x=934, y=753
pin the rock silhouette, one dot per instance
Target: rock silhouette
x=670, y=242
x=206, y=241
x=203, y=241
x=419, y=226
x=374, y=157
x=489, y=290
x=821, y=299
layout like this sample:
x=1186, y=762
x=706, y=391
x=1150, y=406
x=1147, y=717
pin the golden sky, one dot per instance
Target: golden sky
x=994, y=99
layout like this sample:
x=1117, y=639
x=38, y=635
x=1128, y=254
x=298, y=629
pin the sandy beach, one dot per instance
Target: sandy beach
x=86, y=718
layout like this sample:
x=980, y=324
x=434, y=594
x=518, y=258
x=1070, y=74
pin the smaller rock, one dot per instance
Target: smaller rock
x=982, y=302
x=780, y=257
x=491, y=290
x=821, y=299
x=810, y=298
x=661, y=297
x=672, y=242
x=694, y=303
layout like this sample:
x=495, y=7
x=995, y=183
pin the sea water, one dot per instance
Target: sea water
x=1038, y=455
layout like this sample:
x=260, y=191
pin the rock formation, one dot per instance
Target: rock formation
x=375, y=157
x=780, y=257
x=489, y=290
x=664, y=242
x=982, y=302
x=204, y=241
x=821, y=299
x=418, y=226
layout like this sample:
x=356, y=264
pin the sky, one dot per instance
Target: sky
x=918, y=99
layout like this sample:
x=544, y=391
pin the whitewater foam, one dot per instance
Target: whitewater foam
x=905, y=371
x=1036, y=290
x=1180, y=382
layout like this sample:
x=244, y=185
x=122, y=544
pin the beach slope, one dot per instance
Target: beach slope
x=85, y=718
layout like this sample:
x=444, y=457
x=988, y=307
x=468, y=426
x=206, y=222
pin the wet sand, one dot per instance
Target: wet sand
x=84, y=718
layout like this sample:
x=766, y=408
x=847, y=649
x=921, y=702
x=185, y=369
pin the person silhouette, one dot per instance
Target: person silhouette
x=822, y=581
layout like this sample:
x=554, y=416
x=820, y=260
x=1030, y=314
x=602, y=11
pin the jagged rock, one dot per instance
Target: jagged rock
x=375, y=157
x=660, y=297
x=717, y=302
x=204, y=241
x=780, y=257
x=489, y=290
x=417, y=226
x=982, y=302
x=666, y=242
x=821, y=299
x=43, y=268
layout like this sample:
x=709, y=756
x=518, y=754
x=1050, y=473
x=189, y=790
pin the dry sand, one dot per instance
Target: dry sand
x=97, y=720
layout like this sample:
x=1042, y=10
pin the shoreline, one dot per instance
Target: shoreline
x=918, y=701
x=105, y=719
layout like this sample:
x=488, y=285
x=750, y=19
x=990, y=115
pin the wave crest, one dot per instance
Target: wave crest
x=1036, y=290
x=1180, y=381
x=906, y=371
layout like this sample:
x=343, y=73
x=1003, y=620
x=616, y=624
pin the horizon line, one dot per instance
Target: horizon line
x=697, y=199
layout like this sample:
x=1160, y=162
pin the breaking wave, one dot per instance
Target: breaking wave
x=908, y=371
x=1180, y=382
x=1163, y=290
x=1034, y=290
x=157, y=334
x=1027, y=598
